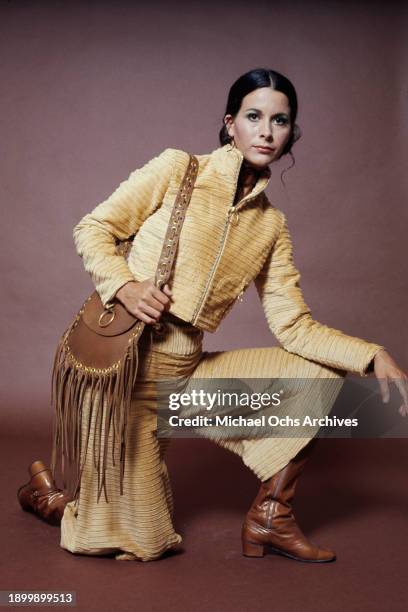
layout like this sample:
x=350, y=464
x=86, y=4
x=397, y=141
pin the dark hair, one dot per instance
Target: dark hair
x=254, y=79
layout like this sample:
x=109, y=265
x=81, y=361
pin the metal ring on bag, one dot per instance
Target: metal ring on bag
x=105, y=312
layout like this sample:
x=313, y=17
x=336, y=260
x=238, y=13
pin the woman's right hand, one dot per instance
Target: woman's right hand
x=144, y=300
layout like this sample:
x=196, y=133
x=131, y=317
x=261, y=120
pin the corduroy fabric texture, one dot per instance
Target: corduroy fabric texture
x=139, y=524
x=222, y=247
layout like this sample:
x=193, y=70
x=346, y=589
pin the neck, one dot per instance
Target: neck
x=248, y=175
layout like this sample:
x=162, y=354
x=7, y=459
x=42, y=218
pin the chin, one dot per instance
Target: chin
x=260, y=160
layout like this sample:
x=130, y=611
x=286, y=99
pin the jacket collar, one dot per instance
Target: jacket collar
x=228, y=161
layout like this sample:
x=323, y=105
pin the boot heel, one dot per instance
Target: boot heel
x=249, y=549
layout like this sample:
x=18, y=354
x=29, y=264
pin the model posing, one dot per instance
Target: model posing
x=231, y=236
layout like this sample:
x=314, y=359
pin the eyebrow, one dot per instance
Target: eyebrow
x=259, y=111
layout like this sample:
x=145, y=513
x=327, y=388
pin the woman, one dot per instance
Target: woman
x=231, y=236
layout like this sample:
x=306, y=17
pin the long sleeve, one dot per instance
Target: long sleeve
x=120, y=216
x=290, y=320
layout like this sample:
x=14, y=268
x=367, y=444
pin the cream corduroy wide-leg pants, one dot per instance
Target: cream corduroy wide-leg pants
x=138, y=525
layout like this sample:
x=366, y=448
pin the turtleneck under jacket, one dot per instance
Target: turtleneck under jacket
x=222, y=249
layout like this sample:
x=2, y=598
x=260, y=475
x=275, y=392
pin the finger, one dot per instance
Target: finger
x=156, y=303
x=403, y=410
x=159, y=296
x=384, y=388
x=151, y=312
x=402, y=386
x=167, y=290
x=143, y=317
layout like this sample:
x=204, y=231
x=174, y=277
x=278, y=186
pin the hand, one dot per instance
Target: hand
x=144, y=300
x=385, y=368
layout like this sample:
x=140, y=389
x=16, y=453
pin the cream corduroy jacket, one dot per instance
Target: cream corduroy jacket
x=222, y=249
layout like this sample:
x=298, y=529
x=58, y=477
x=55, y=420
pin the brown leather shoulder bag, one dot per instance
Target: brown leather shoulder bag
x=99, y=352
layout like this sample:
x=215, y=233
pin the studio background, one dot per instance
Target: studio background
x=96, y=89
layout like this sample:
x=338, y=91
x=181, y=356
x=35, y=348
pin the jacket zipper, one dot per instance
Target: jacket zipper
x=233, y=219
x=214, y=267
x=235, y=215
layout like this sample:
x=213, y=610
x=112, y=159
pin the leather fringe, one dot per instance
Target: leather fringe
x=110, y=391
x=109, y=398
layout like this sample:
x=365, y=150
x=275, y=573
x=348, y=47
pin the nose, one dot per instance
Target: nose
x=266, y=131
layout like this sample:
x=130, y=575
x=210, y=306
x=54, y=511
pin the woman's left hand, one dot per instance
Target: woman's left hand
x=386, y=369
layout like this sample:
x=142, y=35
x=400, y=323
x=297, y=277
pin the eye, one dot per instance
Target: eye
x=281, y=120
x=253, y=115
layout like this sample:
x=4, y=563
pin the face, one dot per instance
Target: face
x=262, y=121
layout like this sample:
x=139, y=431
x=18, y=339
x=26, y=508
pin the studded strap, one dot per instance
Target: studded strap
x=175, y=224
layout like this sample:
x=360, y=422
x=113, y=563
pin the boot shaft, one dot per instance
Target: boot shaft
x=280, y=488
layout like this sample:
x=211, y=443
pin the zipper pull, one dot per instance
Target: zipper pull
x=233, y=215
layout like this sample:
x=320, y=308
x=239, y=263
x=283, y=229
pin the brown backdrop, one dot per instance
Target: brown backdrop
x=94, y=90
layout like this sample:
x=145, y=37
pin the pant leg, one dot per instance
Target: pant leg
x=137, y=524
x=266, y=456
x=139, y=521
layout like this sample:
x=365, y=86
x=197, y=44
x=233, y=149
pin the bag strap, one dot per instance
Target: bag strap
x=169, y=249
x=177, y=216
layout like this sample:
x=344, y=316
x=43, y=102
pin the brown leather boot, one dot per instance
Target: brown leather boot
x=41, y=496
x=270, y=521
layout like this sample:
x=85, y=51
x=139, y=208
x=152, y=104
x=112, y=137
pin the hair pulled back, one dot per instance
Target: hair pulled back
x=254, y=79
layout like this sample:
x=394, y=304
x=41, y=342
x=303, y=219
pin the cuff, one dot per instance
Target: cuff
x=369, y=368
x=108, y=293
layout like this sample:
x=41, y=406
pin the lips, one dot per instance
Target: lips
x=264, y=149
